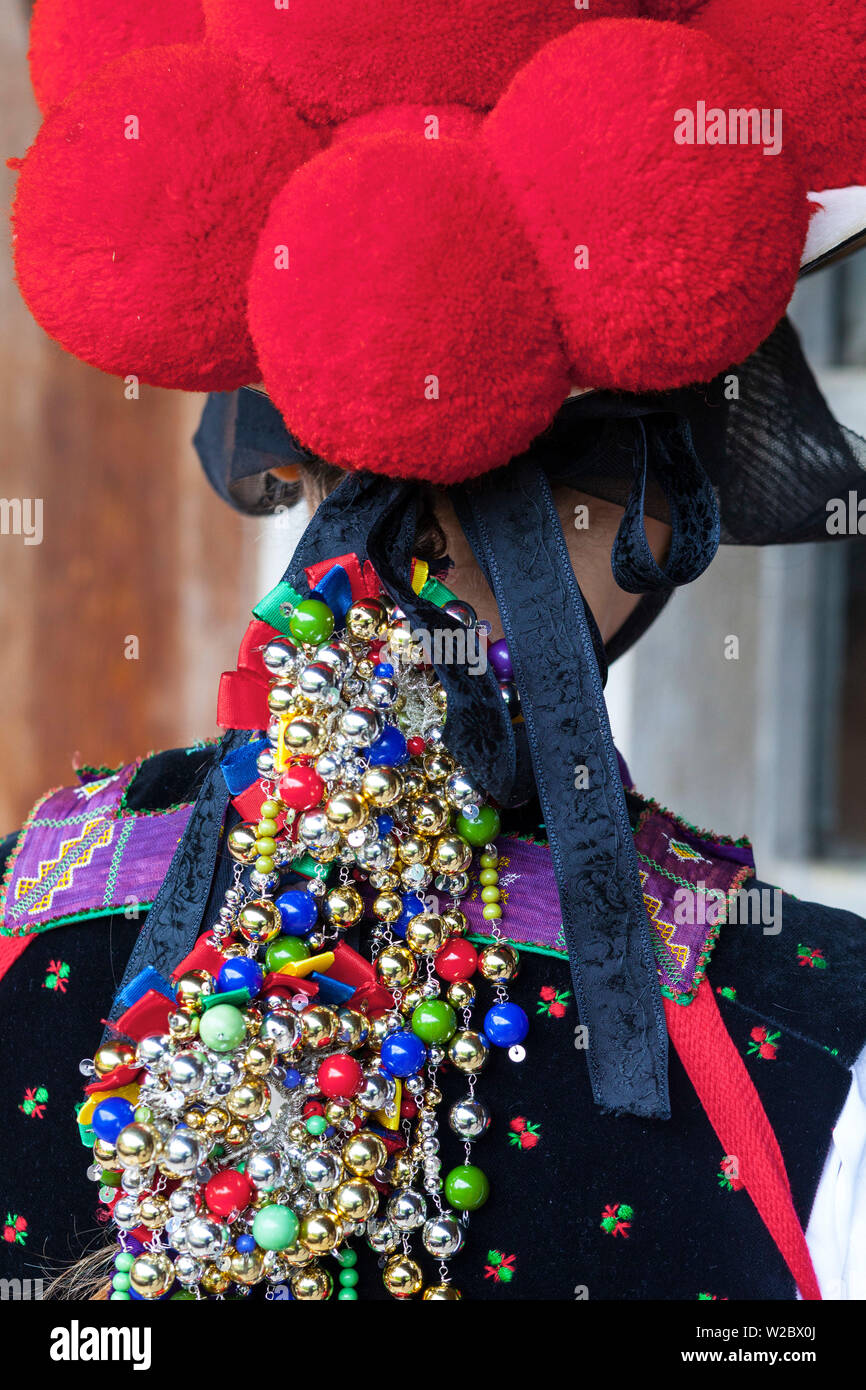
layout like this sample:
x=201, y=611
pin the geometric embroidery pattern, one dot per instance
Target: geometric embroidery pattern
x=56, y=875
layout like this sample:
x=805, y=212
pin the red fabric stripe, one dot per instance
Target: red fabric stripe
x=733, y=1108
x=11, y=948
x=363, y=580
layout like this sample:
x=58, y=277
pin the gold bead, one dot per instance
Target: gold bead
x=387, y=907
x=192, y=987
x=439, y=696
x=455, y=922
x=413, y=850
x=433, y=1097
x=319, y=1231
x=451, y=855
x=319, y=1025
x=236, y=1134
x=382, y=785
x=430, y=815
x=461, y=994
x=137, y=1145
x=441, y=1293
x=297, y=1256
x=402, y=1276
x=182, y=1025
x=336, y=1111
x=104, y=1153
x=215, y=1280
x=468, y=1050
x=366, y=620
x=414, y=783
x=193, y=1119
x=353, y=1028
x=111, y=1055
x=425, y=934
x=151, y=1274
x=414, y=995
x=216, y=1120
x=343, y=906
x=304, y=736
x=259, y=920
x=245, y=1267
x=498, y=962
x=281, y=697
x=241, y=842
x=437, y=766
x=312, y=1285
x=356, y=1199
x=401, y=1170
x=363, y=1153
x=252, y=1015
x=395, y=967
x=259, y=1058
x=248, y=1100
x=153, y=1210
x=379, y=1030
x=346, y=811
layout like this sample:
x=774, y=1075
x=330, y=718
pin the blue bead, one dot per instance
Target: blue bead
x=389, y=749
x=403, y=1054
x=385, y=824
x=384, y=669
x=412, y=907
x=506, y=1024
x=244, y=1244
x=240, y=972
x=293, y=1078
x=110, y=1117
x=298, y=911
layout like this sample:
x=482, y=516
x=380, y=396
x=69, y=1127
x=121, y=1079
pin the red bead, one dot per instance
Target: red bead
x=228, y=1193
x=416, y=746
x=313, y=1107
x=339, y=1077
x=408, y=1108
x=301, y=788
x=457, y=960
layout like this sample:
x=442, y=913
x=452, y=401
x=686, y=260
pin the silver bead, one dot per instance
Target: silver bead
x=406, y=1209
x=280, y=656
x=328, y=767
x=322, y=1171
x=282, y=1029
x=460, y=790
x=184, y=1202
x=382, y=692
x=263, y=1170
x=125, y=1213
x=265, y=762
x=463, y=612
x=205, y=1238
x=187, y=1270
x=181, y=1154
x=150, y=1051
x=382, y=1237
x=224, y=1073
x=187, y=1071
x=361, y=726
x=442, y=1236
x=316, y=682
x=469, y=1118
x=337, y=655
x=373, y=1094
x=314, y=830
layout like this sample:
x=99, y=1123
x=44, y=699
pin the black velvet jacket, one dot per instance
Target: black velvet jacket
x=582, y=1205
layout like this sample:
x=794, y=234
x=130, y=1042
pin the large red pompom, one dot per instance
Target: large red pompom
x=348, y=56
x=669, y=261
x=676, y=10
x=433, y=123
x=811, y=59
x=138, y=209
x=70, y=40
x=398, y=313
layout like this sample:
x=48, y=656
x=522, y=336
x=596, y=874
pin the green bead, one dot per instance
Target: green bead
x=142, y=1114
x=182, y=1296
x=489, y=861
x=285, y=949
x=483, y=828
x=264, y=864
x=275, y=1228
x=316, y=1125
x=120, y=1297
x=347, y=1257
x=222, y=1028
x=266, y=844
x=266, y=826
x=347, y=1296
x=312, y=621
x=488, y=876
x=466, y=1187
x=348, y=1278
x=124, y=1261
x=433, y=1021
x=120, y=1281
x=270, y=808
x=491, y=912
x=110, y=1178
x=490, y=894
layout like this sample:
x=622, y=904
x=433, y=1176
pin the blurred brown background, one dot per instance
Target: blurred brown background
x=135, y=544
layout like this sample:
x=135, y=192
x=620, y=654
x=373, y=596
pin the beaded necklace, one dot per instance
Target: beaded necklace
x=291, y=1105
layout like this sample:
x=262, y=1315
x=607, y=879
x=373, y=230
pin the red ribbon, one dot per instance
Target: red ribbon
x=243, y=694
x=363, y=580
x=733, y=1107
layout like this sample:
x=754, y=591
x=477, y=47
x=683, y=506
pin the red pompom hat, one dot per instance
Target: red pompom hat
x=422, y=227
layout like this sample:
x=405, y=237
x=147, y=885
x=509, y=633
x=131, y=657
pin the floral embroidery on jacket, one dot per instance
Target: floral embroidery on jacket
x=34, y=1101
x=728, y=1174
x=811, y=956
x=15, y=1231
x=523, y=1134
x=499, y=1267
x=58, y=974
x=764, y=1044
x=616, y=1219
x=553, y=1002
